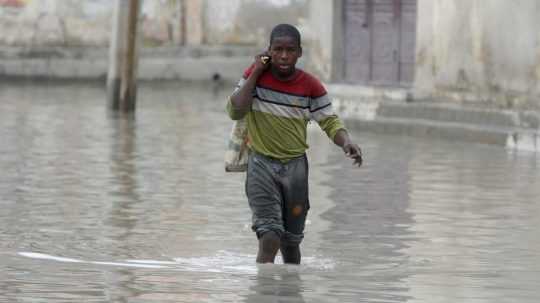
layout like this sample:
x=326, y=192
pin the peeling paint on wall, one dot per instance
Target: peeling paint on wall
x=96, y=8
x=13, y=3
x=249, y=22
x=486, y=52
x=537, y=71
x=88, y=23
x=12, y=7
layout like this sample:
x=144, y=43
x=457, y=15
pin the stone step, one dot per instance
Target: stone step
x=459, y=114
x=512, y=138
x=181, y=68
x=388, y=111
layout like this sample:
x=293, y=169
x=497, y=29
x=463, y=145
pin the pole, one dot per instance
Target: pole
x=121, y=78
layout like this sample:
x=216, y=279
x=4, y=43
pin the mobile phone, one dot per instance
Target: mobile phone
x=265, y=59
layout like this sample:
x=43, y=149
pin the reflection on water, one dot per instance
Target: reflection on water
x=98, y=207
x=273, y=283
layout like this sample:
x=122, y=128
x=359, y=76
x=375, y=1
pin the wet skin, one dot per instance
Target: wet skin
x=284, y=53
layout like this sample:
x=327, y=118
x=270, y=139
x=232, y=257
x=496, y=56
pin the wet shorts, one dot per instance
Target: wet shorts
x=278, y=196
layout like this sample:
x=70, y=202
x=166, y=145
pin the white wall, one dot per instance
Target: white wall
x=88, y=22
x=320, y=37
x=479, y=51
x=249, y=22
x=55, y=22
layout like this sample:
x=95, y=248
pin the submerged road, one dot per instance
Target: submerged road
x=102, y=208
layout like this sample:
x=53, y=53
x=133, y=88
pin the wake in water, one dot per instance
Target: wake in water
x=222, y=262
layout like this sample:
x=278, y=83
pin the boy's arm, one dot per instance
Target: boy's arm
x=242, y=98
x=353, y=151
x=322, y=112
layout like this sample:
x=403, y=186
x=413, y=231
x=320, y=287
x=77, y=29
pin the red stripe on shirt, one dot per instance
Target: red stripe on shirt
x=302, y=84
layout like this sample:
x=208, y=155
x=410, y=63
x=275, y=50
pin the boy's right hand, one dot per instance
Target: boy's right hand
x=260, y=64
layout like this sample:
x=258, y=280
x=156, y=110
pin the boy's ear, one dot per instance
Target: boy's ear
x=300, y=52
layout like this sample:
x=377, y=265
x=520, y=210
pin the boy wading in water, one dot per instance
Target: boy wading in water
x=277, y=100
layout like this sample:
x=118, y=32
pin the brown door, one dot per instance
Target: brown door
x=379, y=41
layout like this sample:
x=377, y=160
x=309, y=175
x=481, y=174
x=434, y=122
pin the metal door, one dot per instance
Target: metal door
x=407, y=42
x=379, y=41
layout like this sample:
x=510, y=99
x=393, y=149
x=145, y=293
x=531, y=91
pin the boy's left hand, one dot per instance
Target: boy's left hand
x=353, y=151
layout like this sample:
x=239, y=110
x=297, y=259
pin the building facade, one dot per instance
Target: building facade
x=487, y=52
x=481, y=52
x=35, y=23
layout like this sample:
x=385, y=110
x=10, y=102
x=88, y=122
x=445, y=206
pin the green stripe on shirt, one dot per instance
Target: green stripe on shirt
x=288, y=136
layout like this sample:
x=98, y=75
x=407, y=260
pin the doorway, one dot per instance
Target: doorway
x=379, y=39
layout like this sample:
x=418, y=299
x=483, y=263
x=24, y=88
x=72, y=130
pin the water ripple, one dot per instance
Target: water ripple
x=98, y=207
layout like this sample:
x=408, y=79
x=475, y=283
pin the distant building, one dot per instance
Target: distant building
x=477, y=51
x=163, y=23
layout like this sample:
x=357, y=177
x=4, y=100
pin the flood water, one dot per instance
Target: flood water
x=96, y=207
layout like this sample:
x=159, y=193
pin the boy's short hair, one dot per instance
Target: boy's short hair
x=285, y=30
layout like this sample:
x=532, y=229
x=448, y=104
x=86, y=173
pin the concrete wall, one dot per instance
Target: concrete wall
x=322, y=34
x=68, y=39
x=249, y=22
x=53, y=22
x=478, y=51
x=163, y=22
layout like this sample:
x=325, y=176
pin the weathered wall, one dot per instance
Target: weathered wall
x=479, y=51
x=88, y=23
x=320, y=38
x=53, y=22
x=249, y=21
x=69, y=38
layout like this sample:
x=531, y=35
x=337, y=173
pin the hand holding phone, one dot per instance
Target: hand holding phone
x=265, y=59
x=261, y=62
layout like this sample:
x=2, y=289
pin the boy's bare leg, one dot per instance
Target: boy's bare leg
x=291, y=254
x=268, y=246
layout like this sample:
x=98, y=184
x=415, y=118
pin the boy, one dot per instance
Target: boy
x=277, y=100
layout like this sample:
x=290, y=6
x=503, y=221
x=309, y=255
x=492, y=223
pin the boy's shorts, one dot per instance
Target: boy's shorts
x=278, y=196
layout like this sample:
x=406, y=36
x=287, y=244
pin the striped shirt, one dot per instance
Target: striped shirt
x=280, y=111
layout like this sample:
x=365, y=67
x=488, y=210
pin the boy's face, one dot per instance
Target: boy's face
x=284, y=52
